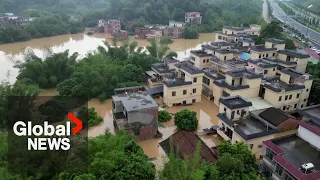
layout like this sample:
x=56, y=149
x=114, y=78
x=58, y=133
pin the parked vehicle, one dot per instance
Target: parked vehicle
x=314, y=49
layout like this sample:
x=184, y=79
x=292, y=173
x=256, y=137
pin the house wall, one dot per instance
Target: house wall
x=237, y=112
x=285, y=78
x=245, y=44
x=217, y=94
x=245, y=93
x=229, y=31
x=309, y=136
x=224, y=56
x=272, y=45
x=259, y=55
x=201, y=62
x=220, y=37
x=257, y=148
x=273, y=98
x=302, y=64
x=305, y=93
x=118, y=107
x=271, y=71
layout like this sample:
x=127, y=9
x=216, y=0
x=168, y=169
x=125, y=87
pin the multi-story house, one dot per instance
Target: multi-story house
x=173, y=32
x=299, y=59
x=295, y=157
x=159, y=71
x=233, y=33
x=200, y=59
x=193, y=17
x=289, y=91
x=184, y=86
x=260, y=51
x=112, y=26
x=135, y=111
x=236, y=123
x=275, y=43
x=177, y=24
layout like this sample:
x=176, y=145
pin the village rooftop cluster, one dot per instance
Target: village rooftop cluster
x=256, y=88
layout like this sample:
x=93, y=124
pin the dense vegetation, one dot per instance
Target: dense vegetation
x=70, y=16
x=304, y=5
x=186, y=120
x=314, y=69
x=43, y=27
x=90, y=114
x=164, y=116
x=235, y=162
x=274, y=30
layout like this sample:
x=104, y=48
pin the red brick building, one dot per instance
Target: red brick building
x=173, y=32
x=112, y=26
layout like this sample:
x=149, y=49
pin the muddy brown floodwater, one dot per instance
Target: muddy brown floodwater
x=206, y=113
x=82, y=44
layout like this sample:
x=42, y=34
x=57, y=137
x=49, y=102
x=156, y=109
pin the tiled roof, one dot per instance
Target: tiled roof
x=185, y=143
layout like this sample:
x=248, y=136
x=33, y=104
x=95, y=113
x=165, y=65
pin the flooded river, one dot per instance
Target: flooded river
x=80, y=43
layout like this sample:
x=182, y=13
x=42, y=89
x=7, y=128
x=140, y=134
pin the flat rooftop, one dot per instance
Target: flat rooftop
x=161, y=68
x=312, y=112
x=294, y=73
x=136, y=100
x=235, y=28
x=251, y=126
x=275, y=60
x=247, y=40
x=220, y=43
x=297, y=151
x=207, y=46
x=279, y=86
x=188, y=67
x=170, y=60
x=200, y=53
x=276, y=41
x=235, y=102
x=258, y=103
x=213, y=74
x=227, y=51
x=244, y=73
x=262, y=49
x=293, y=53
x=264, y=63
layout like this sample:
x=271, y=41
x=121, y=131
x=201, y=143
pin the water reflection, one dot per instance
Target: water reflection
x=82, y=44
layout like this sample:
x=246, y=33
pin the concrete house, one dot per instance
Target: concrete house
x=200, y=59
x=177, y=24
x=300, y=59
x=135, y=111
x=232, y=33
x=184, y=86
x=289, y=91
x=237, y=123
x=295, y=156
x=193, y=17
x=112, y=26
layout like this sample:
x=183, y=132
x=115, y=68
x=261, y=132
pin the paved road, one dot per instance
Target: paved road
x=266, y=11
x=279, y=14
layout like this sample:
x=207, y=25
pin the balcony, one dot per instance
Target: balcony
x=223, y=134
x=269, y=162
x=154, y=82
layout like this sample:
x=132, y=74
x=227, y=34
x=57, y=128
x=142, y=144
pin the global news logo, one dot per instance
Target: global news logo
x=48, y=137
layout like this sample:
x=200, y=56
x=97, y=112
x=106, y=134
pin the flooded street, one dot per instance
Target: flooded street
x=82, y=44
x=206, y=113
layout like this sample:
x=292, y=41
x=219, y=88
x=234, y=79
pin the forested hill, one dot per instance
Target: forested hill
x=231, y=12
x=305, y=3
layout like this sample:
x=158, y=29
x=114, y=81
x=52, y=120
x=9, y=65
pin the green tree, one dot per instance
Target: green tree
x=164, y=116
x=158, y=50
x=190, y=33
x=186, y=120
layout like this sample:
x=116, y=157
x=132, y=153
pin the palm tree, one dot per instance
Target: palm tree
x=159, y=50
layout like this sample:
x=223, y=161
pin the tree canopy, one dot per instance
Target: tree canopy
x=164, y=116
x=186, y=120
x=314, y=69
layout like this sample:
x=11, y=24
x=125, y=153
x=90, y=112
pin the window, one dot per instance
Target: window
x=283, y=108
x=287, y=177
x=274, y=69
x=280, y=98
x=238, y=111
x=279, y=170
x=225, y=109
x=260, y=56
x=195, y=80
x=194, y=90
x=290, y=97
x=263, y=55
x=295, y=106
x=207, y=60
x=286, y=98
x=232, y=82
x=251, y=146
x=173, y=93
x=267, y=55
x=232, y=115
x=204, y=61
x=305, y=100
x=193, y=100
x=269, y=154
x=298, y=95
x=274, y=54
x=301, y=106
x=184, y=92
x=265, y=71
x=307, y=90
x=225, y=57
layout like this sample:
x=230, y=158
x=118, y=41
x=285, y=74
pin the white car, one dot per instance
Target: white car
x=314, y=49
x=318, y=52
